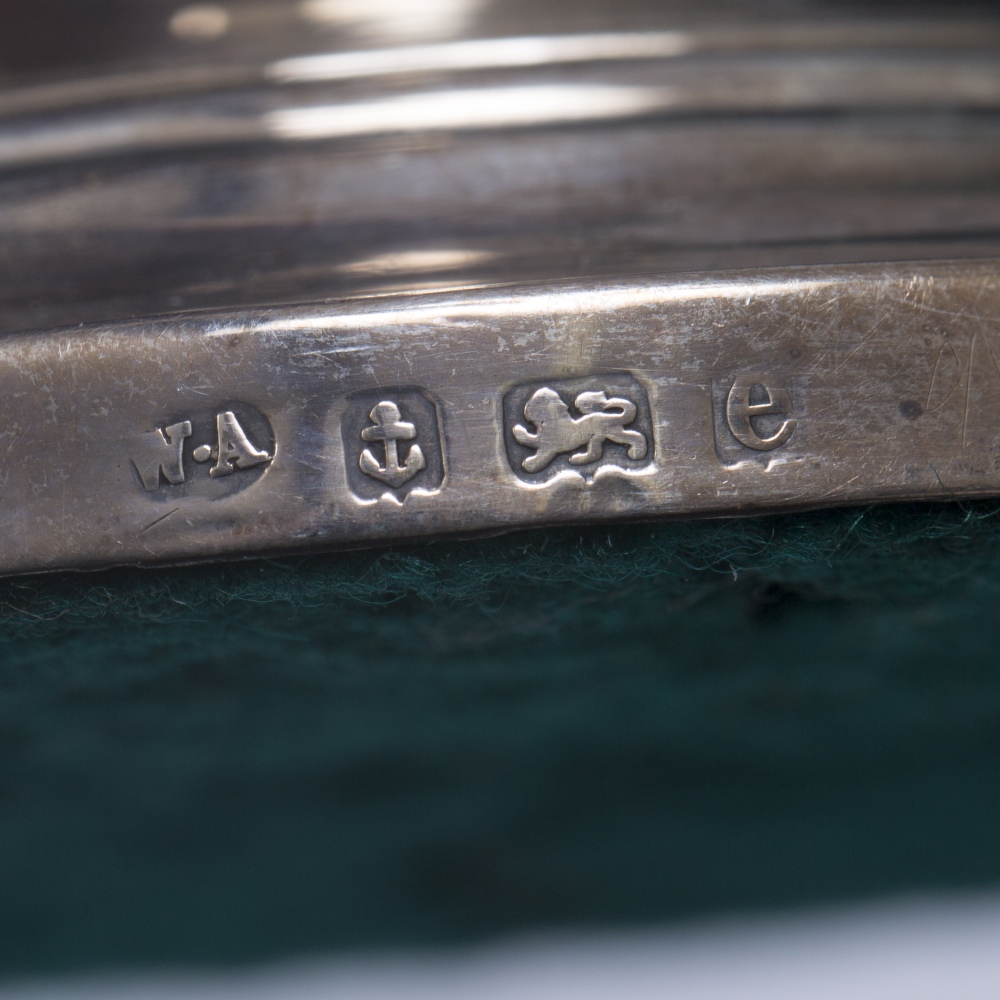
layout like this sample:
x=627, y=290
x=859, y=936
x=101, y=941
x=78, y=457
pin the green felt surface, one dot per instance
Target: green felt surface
x=434, y=743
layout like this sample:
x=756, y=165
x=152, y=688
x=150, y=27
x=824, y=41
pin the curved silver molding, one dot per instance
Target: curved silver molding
x=471, y=54
x=398, y=417
x=530, y=96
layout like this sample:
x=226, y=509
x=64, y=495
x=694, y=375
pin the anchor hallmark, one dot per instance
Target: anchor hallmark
x=393, y=443
x=390, y=428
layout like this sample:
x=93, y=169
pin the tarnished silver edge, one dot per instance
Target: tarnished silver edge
x=377, y=420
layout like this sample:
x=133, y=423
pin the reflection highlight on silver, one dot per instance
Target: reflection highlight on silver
x=475, y=108
x=481, y=54
x=200, y=22
x=417, y=261
x=392, y=20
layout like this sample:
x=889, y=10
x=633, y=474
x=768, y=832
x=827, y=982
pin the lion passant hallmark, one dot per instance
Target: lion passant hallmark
x=583, y=425
x=558, y=432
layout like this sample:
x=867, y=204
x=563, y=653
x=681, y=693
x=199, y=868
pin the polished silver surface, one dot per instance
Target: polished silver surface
x=403, y=417
x=278, y=152
x=531, y=82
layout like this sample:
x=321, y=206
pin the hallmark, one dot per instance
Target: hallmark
x=583, y=425
x=753, y=414
x=233, y=450
x=162, y=458
x=558, y=432
x=389, y=428
x=159, y=455
x=392, y=443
